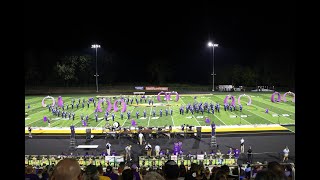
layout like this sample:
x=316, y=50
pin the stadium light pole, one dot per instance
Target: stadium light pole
x=210, y=44
x=96, y=46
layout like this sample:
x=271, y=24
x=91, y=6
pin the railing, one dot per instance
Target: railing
x=104, y=161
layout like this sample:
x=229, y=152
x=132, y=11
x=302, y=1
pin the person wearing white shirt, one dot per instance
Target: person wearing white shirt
x=128, y=152
x=285, y=154
x=140, y=138
x=108, y=146
x=148, y=148
x=157, y=150
x=242, y=145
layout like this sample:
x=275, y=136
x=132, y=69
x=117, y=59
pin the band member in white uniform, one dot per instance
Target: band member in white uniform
x=128, y=152
x=148, y=148
x=140, y=138
x=285, y=154
x=108, y=146
x=242, y=145
x=157, y=150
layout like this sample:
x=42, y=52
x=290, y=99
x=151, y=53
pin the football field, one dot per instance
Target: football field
x=279, y=112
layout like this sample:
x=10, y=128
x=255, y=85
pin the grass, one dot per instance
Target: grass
x=253, y=114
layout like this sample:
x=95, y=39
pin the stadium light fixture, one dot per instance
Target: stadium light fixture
x=210, y=44
x=96, y=46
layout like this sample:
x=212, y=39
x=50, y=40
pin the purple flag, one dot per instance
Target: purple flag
x=133, y=122
x=44, y=118
x=207, y=120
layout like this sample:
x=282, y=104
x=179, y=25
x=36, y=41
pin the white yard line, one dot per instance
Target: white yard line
x=220, y=119
x=102, y=120
x=125, y=121
x=274, y=112
x=273, y=105
x=149, y=116
x=171, y=117
x=33, y=121
x=240, y=117
x=259, y=116
x=192, y=114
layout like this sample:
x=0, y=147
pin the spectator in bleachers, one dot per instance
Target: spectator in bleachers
x=171, y=170
x=101, y=176
x=67, y=169
x=206, y=175
x=248, y=171
x=220, y=175
x=30, y=175
x=182, y=172
x=91, y=173
x=121, y=168
x=191, y=174
x=153, y=176
x=127, y=174
x=110, y=173
x=276, y=168
x=143, y=172
x=266, y=175
x=135, y=172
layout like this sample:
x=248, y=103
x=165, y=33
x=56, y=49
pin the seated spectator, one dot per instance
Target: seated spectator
x=192, y=173
x=171, y=170
x=101, y=176
x=220, y=175
x=111, y=174
x=127, y=174
x=182, y=171
x=143, y=172
x=67, y=169
x=206, y=175
x=91, y=173
x=153, y=176
x=135, y=172
x=30, y=175
x=276, y=168
x=266, y=175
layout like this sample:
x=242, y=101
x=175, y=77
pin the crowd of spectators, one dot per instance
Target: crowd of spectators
x=69, y=169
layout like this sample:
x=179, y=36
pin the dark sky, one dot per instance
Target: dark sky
x=179, y=32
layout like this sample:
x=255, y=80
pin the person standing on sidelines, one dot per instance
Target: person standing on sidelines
x=128, y=153
x=242, y=145
x=30, y=129
x=140, y=138
x=157, y=150
x=148, y=148
x=108, y=146
x=249, y=152
x=285, y=154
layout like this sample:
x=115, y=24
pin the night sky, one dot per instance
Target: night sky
x=175, y=34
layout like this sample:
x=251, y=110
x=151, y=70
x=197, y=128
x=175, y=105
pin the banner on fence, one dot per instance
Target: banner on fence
x=158, y=88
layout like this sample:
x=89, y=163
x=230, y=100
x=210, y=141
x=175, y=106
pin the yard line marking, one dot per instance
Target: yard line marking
x=240, y=117
x=149, y=116
x=274, y=112
x=171, y=116
x=192, y=114
x=260, y=116
x=33, y=122
x=273, y=105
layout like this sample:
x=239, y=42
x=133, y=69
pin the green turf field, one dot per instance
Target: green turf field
x=283, y=112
